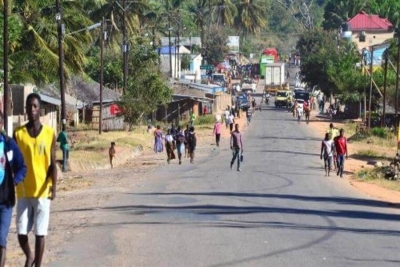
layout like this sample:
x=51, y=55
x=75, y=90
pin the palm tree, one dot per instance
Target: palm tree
x=201, y=14
x=36, y=57
x=252, y=16
x=337, y=11
x=225, y=12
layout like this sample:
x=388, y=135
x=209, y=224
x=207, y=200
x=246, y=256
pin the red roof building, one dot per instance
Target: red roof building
x=365, y=22
x=368, y=30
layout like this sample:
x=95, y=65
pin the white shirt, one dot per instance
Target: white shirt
x=227, y=114
x=230, y=119
x=327, y=147
x=169, y=138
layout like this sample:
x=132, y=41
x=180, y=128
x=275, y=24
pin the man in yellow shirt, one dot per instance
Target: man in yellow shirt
x=38, y=147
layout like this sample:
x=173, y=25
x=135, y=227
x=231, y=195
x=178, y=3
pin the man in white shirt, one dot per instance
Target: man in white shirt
x=227, y=113
x=327, y=150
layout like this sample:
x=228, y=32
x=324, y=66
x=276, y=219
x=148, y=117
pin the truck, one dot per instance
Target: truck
x=268, y=56
x=219, y=79
x=275, y=78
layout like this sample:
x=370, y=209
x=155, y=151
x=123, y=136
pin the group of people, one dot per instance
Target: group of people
x=298, y=110
x=27, y=169
x=334, y=150
x=183, y=141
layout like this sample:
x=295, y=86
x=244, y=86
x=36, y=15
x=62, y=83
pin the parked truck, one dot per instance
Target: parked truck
x=275, y=78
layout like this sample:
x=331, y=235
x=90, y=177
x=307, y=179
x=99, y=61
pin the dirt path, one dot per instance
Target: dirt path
x=353, y=165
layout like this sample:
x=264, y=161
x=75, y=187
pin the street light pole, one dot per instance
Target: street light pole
x=397, y=86
x=102, y=38
x=169, y=47
x=60, y=32
x=5, y=65
x=370, y=88
x=383, y=120
x=124, y=49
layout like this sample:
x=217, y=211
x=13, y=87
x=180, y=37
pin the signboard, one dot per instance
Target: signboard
x=233, y=44
x=218, y=90
x=206, y=67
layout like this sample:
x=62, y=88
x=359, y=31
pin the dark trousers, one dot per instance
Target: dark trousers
x=340, y=164
x=65, y=158
x=217, y=138
x=236, y=156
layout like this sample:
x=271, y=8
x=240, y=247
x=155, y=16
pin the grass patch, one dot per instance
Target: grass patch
x=376, y=136
x=368, y=153
x=377, y=176
x=207, y=119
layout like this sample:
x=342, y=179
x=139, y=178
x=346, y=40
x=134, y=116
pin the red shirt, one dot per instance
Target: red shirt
x=341, y=145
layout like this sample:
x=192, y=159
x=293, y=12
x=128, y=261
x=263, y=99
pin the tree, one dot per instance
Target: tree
x=301, y=11
x=251, y=17
x=224, y=12
x=216, y=43
x=339, y=11
x=146, y=87
x=35, y=59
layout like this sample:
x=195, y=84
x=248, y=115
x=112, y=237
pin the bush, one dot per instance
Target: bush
x=380, y=132
x=207, y=119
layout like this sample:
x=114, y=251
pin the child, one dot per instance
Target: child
x=111, y=153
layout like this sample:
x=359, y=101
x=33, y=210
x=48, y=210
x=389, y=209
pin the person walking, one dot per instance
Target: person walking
x=180, y=143
x=192, y=143
x=236, y=146
x=231, y=121
x=341, y=152
x=158, y=138
x=63, y=140
x=249, y=113
x=37, y=143
x=169, y=146
x=226, y=117
x=192, y=118
x=333, y=132
x=327, y=151
x=111, y=154
x=186, y=132
x=217, y=132
x=12, y=172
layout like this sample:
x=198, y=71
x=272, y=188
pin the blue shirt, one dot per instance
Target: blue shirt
x=2, y=160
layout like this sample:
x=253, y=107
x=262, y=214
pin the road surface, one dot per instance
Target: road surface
x=279, y=211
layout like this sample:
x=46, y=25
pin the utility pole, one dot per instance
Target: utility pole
x=124, y=49
x=169, y=47
x=397, y=87
x=370, y=88
x=5, y=66
x=383, y=120
x=102, y=38
x=60, y=32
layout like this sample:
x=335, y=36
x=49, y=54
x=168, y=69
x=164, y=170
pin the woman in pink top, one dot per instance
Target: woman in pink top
x=217, y=132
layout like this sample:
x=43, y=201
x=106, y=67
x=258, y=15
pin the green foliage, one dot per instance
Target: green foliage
x=146, y=88
x=380, y=132
x=216, y=43
x=205, y=120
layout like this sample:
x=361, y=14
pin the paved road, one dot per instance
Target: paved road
x=279, y=211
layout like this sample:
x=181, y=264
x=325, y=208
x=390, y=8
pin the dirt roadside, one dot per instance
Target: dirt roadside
x=90, y=189
x=353, y=164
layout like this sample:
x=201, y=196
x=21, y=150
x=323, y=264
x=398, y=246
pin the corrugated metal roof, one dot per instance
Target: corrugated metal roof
x=364, y=22
x=51, y=100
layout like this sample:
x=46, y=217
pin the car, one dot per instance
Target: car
x=249, y=85
x=282, y=99
x=242, y=102
x=236, y=87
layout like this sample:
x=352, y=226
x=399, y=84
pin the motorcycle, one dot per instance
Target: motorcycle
x=267, y=97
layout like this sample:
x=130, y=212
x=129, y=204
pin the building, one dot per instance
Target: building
x=175, y=61
x=367, y=30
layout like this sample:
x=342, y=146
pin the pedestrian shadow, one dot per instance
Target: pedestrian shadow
x=291, y=152
x=292, y=138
